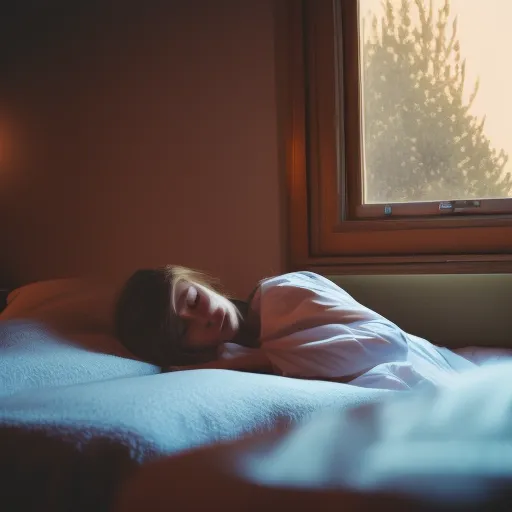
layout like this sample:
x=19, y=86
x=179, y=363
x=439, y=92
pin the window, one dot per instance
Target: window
x=398, y=138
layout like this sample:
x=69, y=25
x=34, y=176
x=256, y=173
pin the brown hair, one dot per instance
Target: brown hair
x=146, y=320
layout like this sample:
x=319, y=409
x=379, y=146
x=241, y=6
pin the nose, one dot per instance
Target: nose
x=217, y=317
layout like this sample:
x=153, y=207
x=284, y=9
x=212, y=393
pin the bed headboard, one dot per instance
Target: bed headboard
x=449, y=310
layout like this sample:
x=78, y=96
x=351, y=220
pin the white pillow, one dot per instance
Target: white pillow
x=72, y=305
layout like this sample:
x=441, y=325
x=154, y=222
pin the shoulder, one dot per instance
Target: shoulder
x=303, y=280
x=286, y=292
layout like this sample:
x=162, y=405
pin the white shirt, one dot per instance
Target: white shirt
x=310, y=327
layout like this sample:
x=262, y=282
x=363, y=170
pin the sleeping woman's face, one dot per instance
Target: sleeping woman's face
x=209, y=318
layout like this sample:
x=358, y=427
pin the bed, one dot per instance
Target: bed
x=84, y=426
x=79, y=416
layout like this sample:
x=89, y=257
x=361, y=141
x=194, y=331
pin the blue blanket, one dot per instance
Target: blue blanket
x=75, y=422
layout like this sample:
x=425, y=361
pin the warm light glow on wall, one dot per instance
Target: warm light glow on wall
x=3, y=144
x=6, y=140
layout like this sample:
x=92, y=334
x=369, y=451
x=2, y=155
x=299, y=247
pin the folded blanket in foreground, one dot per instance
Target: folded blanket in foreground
x=430, y=450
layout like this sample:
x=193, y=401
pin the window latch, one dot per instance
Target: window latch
x=458, y=206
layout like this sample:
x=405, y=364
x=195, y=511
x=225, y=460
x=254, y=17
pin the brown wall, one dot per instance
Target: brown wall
x=147, y=135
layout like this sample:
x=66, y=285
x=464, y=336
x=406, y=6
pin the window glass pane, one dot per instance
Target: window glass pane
x=436, y=99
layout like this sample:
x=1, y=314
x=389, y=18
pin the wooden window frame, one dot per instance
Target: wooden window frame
x=315, y=149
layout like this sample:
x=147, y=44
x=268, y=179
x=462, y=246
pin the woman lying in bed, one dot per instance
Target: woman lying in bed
x=297, y=325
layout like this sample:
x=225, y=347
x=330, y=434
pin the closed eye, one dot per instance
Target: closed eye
x=193, y=298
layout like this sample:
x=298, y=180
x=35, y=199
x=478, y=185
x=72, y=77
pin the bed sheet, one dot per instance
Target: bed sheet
x=430, y=366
